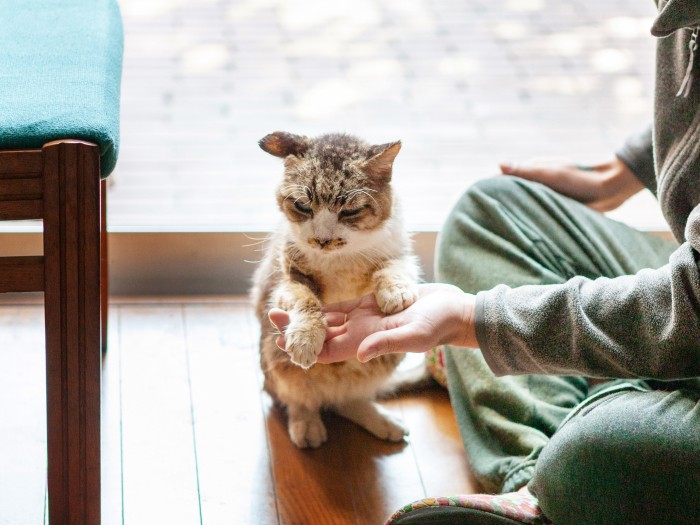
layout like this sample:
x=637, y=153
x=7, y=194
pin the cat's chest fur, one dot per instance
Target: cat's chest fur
x=344, y=284
x=348, y=275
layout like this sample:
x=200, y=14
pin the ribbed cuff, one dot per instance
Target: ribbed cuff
x=482, y=334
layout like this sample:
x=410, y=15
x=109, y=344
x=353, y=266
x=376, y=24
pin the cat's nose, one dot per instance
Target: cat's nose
x=323, y=242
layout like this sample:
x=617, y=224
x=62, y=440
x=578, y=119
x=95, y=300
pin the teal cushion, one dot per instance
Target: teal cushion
x=60, y=73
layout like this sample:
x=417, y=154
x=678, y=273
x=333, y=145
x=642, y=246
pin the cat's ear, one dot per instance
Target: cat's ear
x=282, y=144
x=381, y=159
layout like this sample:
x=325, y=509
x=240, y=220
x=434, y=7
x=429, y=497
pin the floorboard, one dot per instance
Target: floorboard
x=23, y=409
x=112, y=488
x=232, y=453
x=188, y=436
x=159, y=468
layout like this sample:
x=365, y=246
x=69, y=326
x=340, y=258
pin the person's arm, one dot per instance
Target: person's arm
x=442, y=314
x=637, y=153
x=643, y=325
x=602, y=187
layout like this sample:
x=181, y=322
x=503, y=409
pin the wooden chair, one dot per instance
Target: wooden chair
x=60, y=64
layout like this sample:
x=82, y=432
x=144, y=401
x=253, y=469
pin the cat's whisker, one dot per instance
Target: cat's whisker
x=291, y=187
x=361, y=191
x=295, y=195
x=258, y=243
x=294, y=191
x=268, y=236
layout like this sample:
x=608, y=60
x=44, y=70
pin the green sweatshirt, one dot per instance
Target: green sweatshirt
x=645, y=325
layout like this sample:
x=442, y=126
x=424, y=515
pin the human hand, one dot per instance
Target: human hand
x=443, y=314
x=603, y=187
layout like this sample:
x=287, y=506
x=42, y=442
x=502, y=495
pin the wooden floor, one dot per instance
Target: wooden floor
x=189, y=438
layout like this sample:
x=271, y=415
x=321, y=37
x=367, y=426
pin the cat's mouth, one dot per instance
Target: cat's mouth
x=326, y=245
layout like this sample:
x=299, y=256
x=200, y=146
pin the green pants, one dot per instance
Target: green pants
x=604, y=454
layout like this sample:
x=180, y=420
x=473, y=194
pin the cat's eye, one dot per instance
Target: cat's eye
x=344, y=214
x=300, y=207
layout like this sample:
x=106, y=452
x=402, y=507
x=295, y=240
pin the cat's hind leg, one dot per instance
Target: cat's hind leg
x=305, y=426
x=373, y=418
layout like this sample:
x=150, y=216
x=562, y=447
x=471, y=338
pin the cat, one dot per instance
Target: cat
x=342, y=237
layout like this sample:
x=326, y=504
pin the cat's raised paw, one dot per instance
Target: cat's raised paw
x=396, y=297
x=303, y=344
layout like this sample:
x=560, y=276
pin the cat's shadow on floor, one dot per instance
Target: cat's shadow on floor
x=355, y=472
x=343, y=435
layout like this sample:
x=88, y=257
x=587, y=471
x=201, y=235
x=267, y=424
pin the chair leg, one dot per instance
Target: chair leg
x=104, y=265
x=72, y=310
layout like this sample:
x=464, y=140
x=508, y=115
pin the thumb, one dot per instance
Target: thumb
x=401, y=339
x=508, y=168
x=525, y=171
x=279, y=318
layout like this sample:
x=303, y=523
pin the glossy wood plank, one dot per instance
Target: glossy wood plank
x=23, y=423
x=21, y=189
x=21, y=210
x=232, y=453
x=159, y=469
x=20, y=163
x=311, y=485
x=72, y=311
x=21, y=274
x=182, y=393
x=383, y=474
x=437, y=443
x=354, y=478
x=104, y=266
x=111, y=428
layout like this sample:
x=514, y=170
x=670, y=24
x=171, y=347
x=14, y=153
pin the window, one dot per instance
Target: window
x=463, y=85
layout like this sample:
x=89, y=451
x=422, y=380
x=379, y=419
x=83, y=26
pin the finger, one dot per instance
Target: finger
x=335, y=331
x=335, y=318
x=281, y=343
x=530, y=172
x=279, y=318
x=508, y=168
x=350, y=305
x=338, y=348
x=401, y=339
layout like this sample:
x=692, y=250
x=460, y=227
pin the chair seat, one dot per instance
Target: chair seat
x=60, y=73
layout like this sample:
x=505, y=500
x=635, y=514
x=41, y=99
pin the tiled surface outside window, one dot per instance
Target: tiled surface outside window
x=464, y=84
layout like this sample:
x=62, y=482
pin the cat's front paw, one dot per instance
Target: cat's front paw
x=394, y=297
x=304, y=342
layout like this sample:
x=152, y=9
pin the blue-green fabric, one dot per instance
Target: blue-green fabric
x=60, y=74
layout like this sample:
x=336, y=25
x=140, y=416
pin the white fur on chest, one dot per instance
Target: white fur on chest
x=347, y=272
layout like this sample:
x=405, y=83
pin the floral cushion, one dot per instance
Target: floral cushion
x=435, y=361
x=521, y=506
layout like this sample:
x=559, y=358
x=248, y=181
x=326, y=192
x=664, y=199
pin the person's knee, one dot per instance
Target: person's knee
x=499, y=187
x=629, y=458
x=488, y=192
x=476, y=229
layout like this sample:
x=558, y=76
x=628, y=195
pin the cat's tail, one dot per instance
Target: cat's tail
x=412, y=375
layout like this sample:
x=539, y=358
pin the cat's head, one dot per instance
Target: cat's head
x=336, y=187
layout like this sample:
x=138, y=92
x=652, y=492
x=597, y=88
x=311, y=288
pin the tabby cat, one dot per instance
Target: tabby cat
x=342, y=237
